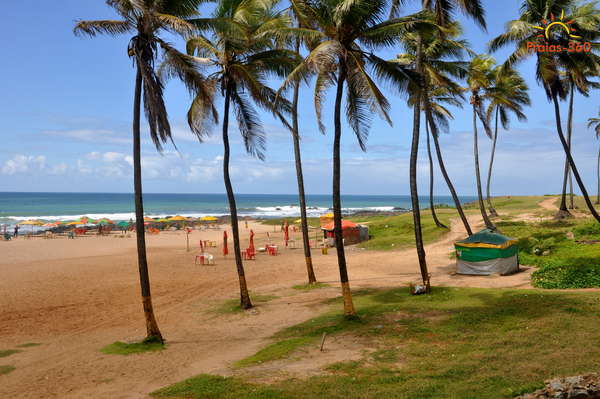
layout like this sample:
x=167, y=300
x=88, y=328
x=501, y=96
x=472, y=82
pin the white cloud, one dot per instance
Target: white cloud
x=24, y=164
x=91, y=135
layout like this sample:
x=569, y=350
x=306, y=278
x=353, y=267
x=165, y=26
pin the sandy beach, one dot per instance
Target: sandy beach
x=76, y=296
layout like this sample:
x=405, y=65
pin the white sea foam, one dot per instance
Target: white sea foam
x=258, y=212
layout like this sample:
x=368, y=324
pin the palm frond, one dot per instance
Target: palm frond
x=249, y=125
x=104, y=27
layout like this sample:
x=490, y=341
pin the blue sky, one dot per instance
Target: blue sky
x=65, y=112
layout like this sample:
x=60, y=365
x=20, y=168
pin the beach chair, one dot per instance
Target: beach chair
x=272, y=250
x=7, y=237
x=205, y=259
x=249, y=254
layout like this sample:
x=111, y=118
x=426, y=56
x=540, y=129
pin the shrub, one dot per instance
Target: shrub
x=588, y=229
x=568, y=273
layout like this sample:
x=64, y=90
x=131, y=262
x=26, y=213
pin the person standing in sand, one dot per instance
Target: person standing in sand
x=16, y=233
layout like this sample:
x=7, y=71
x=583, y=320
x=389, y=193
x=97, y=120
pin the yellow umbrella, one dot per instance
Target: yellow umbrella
x=163, y=220
x=327, y=215
x=32, y=222
x=177, y=218
x=208, y=219
x=298, y=221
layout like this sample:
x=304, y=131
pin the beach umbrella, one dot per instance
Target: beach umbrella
x=52, y=224
x=84, y=220
x=298, y=221
x=123, y=224
x=208, y=219
x=32, y=222
x=148, y=219
x=251, y=245
x=225, y=250
x=286, y=233
x=104, y=221
x=177, y=218
x=163, y=220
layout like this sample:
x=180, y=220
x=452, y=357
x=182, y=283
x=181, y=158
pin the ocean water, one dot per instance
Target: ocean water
x=15, y=207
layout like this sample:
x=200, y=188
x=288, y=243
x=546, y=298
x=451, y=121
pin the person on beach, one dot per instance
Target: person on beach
x=16, y=233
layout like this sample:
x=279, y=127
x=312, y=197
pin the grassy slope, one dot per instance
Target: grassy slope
x=456, y=343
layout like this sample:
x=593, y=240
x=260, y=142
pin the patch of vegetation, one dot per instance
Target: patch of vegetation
x=233, y=305
x=6, y=369
x=28, y=345
x=344, y=367
x=397, y=232
x=574, y=273
x=513, y=204
x=443, y=339
x=308, y=287
x=8, y=352
x=275, y=351
x=124, y=348
x=591, y=229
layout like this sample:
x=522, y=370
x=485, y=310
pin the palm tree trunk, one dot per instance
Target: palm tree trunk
x=598, y=173
x=563, y=211
x=414, y=151
x=337, y=201
x=486, y=219
x=431, y=205
x=152, y=331
x=570, y=158
x=300, y=178
x=455, y=198
x=244, y=296
x=489, y=176
x=569, y=140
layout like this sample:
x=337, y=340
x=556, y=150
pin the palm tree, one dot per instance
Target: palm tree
x=146, y=19
x=443, y=10
x=509, y=94
x=594, y=123
x=480, y=79
x=442, y=54
x=522, y=32
x=243, y=52
x=342, y=26
x=297, y=155
x=575, y=79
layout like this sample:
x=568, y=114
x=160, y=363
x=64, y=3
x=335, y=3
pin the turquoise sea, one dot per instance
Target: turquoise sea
x=16, y=207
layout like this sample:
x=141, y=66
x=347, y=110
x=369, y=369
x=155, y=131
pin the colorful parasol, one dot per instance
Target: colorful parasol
x=208, y=219
x=177, y=218
x=104, y=221
x=32, y=222
x=286, y=233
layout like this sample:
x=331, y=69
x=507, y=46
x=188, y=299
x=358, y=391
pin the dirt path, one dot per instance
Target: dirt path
x=76, y=296
x=549, y=204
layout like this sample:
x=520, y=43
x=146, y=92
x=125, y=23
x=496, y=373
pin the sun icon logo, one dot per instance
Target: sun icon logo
x=557, y=23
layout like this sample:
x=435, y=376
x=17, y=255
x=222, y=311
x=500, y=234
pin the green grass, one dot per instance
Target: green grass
x=309, y=287
x=28, y=345
x=6, y=369
x=514, y=204
x=233, y=305
x=463, y=343
x=278, y=350
x=397, y=232
x=8, y=352
x=123, y=348
x=567, y=263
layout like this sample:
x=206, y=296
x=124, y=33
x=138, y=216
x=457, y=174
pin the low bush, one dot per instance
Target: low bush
x=568, y=273
x=588, y=229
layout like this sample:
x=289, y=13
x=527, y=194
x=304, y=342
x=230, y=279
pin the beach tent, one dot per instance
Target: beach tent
x=350, y=232
x=487, y=252
x=326, y=219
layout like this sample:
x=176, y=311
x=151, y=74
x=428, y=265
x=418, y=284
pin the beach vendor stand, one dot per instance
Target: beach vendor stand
x=487, y=252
